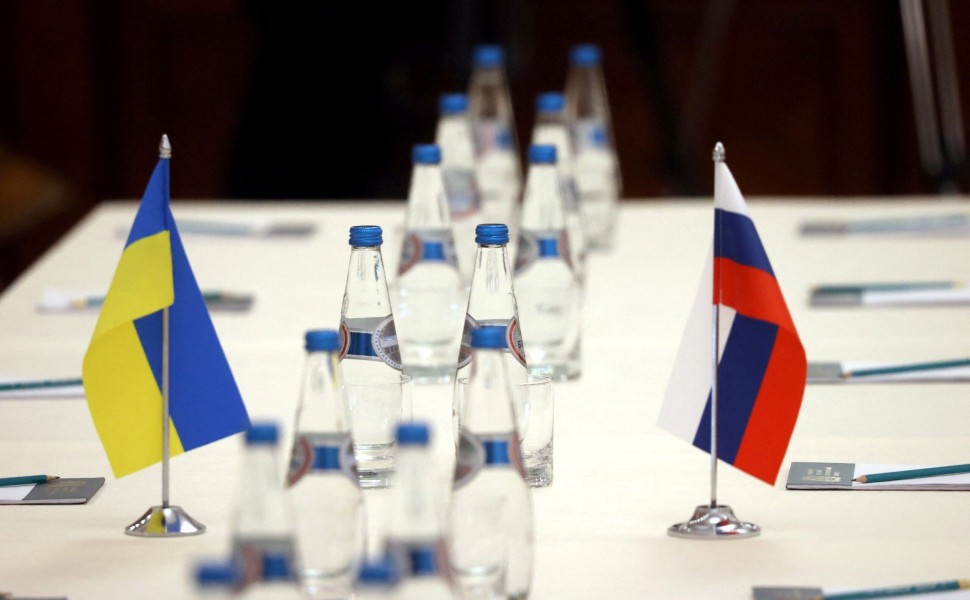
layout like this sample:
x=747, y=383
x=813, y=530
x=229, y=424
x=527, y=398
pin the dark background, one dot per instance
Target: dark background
x=324, y=100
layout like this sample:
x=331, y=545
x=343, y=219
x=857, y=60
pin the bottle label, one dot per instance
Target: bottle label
x=513, y=337
x=419, y=559
x=314, y=452
x=586, y=136
x=491, y=136
x=477, y=452
x=249, y=551
x=370, y=338
x=534, y=246
x=438, y=246
x=462, y=192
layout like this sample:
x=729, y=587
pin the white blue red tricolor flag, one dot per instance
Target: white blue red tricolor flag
x=762, y=366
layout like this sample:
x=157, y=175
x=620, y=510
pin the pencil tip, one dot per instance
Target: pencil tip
x=860, y=479
x=53, y=477
x=164, y=147
x=718, y=155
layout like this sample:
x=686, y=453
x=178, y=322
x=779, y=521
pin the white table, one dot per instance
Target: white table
x=620, y=481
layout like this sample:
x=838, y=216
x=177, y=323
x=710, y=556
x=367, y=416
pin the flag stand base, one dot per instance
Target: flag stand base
x=165, y=521
x=714, y=523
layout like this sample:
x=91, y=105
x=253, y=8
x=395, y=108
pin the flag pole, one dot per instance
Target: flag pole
x=714, y=521
x=165, y=520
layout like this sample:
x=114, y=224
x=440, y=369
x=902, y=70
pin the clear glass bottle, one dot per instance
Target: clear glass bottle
x=368, y=337
x=597, y=164
x=496, y=144
x=490, y=532
x=322, y=478
x=454, y=137
x=546, y=285
x=414, y=535
x=429, y=288
x=491, y=300
x=587, y=103
x=552, y=128
x=370, y=356
x=262, y=522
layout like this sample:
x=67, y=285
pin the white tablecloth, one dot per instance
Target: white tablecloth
x=620, y=481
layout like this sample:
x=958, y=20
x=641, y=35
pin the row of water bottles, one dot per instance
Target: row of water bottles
x=542, y=312
x=483, y=178
x=305, y=538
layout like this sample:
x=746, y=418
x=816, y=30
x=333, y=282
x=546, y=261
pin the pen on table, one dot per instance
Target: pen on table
x=12, y=386
x=859, y=288
x=908, y=368
x=905, y=590
x=27, y=479
x=208, y=297
x=913, y=474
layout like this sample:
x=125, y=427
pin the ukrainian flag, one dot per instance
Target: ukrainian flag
x=122, y=370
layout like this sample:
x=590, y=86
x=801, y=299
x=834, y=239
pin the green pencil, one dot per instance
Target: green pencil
x=913, y=474
x=905, y=590
x=12, y=386
x=908, y=368
x=26, y=479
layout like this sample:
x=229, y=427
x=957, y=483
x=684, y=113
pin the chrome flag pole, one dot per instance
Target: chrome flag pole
x=714, y=521
x=165, y=520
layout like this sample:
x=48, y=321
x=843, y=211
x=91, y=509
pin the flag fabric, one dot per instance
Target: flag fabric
x=122, y=370
x=762, y=365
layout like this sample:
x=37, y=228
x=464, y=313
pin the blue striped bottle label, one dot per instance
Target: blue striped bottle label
x=321, y=452
x=486, y=451
x=541, y=245
x=370, y=338
x=430, y=246
x=513, y=338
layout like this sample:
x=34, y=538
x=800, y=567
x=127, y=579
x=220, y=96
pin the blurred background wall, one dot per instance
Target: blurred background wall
x=279, y=99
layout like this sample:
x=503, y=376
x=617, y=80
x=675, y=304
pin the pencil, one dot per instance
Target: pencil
x=905, y=590
x=909, y=368
x=11, y=386
x=26, y=479
x=913, y=474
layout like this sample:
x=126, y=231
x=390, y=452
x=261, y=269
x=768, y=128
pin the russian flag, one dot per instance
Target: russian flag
x=762, y=365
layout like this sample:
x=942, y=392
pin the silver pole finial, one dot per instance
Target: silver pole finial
x=164, y=148
x=718, y=155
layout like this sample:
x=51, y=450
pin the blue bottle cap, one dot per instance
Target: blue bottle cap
x=453, y=104
x=550, y=102
x=263, y=433
x=378, y=571
x=586, y=55
x=489, y=336
x=492, y=234
x=426, y=154
x=366, y=235
x=413, y=434
x=322, y=340
x=276, y=567
x=489, y=56
x=542, y=154
x=221, y=574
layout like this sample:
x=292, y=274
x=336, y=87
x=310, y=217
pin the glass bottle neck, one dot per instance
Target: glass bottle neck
x=366, y=290
x=427, y=203
x=322, y=408
x=542, y=206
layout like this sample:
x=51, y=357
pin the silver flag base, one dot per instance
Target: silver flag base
x=165, y=521
x=714, y=523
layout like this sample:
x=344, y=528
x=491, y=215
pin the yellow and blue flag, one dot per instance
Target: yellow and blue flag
x=122, y=370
